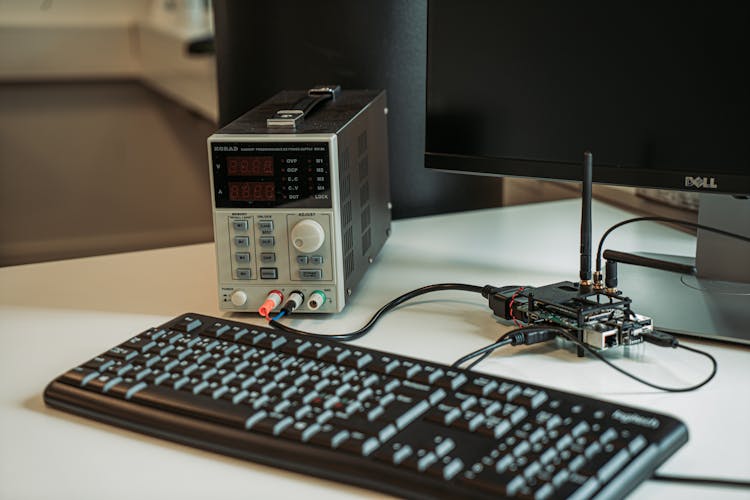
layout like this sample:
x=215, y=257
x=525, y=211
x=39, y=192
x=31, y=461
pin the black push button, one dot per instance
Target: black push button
x=311, y=274
x=269, y=273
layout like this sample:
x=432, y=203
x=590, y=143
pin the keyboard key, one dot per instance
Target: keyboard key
x=411, y=414
x=452, y=469
x=359, y=444
x=444, y=447
x=122, y=353
x=429, y=375
x=187, y=325
x=339, y=437
x=357, y=360
x=451, y=380
x=402, y=454
x=613, y=465
x=79, y=376
x=480, y=386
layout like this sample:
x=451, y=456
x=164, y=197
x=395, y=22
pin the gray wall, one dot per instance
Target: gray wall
x=100, y=167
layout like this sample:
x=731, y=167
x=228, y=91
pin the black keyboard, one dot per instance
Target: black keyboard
x=400, y=425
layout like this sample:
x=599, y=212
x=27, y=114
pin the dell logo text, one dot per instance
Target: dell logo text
x=701, y=182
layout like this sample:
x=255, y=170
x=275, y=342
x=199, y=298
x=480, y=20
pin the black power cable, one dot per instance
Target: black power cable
x=709, y=481
x=535, y=334
x=485, y=290
x=657, y=340
x=527, y=335
x=661, y=219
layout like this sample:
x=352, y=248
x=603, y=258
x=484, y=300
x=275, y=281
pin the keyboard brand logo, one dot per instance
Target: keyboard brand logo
x=635, y=418
x=701, y=182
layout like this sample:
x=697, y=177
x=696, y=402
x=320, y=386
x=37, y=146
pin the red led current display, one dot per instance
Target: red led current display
x=252, y=191
x=250, y=165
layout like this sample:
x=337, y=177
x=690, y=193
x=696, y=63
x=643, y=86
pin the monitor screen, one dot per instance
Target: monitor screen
x=658, y=91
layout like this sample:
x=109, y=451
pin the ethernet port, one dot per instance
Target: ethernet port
x=610, y=339
x=600, y=337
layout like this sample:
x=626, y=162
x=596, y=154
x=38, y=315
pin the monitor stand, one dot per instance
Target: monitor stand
x=714, y=304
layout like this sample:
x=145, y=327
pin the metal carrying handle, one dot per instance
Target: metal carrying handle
x=288, y=118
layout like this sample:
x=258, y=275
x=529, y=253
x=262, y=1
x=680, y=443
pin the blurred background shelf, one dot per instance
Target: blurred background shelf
x=104, y=113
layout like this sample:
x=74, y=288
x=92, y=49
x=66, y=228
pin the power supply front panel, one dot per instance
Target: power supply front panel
x=272, y=174
x=276, y=219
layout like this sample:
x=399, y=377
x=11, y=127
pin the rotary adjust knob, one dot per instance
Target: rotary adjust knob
x=238, y=298
x=307, y=236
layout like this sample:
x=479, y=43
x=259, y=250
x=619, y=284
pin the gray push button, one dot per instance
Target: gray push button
x=239, y=225
x=242, y=257
x=268, y=257
x=242, y=241
x=269, y=273
x=316, y=260
x=244, y=274
x=311, y=274
x=265, y=226
x=267, y=241
x=303, y=260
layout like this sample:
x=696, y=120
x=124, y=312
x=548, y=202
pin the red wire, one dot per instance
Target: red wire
x=512, y=299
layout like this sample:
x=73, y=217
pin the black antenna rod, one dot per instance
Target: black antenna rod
x=585, y=272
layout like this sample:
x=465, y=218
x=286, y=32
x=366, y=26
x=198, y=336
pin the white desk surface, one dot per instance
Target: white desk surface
x=56, y=315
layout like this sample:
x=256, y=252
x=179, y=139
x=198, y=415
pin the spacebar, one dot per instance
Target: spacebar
x=201, y=407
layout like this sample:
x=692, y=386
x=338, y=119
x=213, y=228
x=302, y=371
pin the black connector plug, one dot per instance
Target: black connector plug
x=296, y=298
x=531, y=337
x=499, y=300
x=661, y=339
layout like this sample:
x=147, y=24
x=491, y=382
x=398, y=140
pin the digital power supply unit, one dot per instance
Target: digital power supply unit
x=301, y=200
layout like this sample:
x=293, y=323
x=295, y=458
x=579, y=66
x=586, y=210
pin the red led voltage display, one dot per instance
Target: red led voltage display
x=250, y=166
x=252, y=191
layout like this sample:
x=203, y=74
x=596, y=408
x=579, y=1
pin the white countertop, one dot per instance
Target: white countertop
x=56, y=315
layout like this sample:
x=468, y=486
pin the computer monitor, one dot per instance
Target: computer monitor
x=658, y=91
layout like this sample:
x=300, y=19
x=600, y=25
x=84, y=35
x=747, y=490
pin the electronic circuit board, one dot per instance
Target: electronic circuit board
x=600, y=319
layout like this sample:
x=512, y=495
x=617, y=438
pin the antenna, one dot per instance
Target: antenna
x=576, y=307
x=585, y=270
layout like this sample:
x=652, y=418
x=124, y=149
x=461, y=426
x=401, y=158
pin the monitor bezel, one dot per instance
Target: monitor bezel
x=714, y=182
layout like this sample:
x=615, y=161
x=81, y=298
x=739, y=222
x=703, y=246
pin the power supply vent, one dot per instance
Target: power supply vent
x=362, y=143
x=364, y=195
x=344, y=165
x=364, y=191
x=366, y=240
x=349, y=264
x=345, y=190
x=346, y=187
x=348, y=250
x=345, y=176
x=363, y=168
x=346, y=215
x=348, y=241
